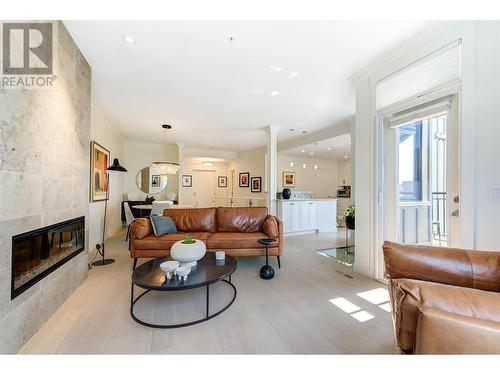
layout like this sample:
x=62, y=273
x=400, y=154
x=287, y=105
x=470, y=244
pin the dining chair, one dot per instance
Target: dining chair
x=129, y=217
x=159, y=206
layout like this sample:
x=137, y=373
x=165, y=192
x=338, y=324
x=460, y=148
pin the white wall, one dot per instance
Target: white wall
x=106, y=133
x=479, y=135
x=138, y=155
x=221, y=168
x=254, y=162
x=322, y=182
x=344, y=172
x=487, y=134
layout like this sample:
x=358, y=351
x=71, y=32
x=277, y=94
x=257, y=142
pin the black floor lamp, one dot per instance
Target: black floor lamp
x=115, y=168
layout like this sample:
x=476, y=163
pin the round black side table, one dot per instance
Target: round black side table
x=266, y=272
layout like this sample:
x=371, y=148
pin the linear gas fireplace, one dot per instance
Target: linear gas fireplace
x=37, y=253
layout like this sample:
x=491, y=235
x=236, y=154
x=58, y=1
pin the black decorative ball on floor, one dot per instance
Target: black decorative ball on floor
x=266, y=272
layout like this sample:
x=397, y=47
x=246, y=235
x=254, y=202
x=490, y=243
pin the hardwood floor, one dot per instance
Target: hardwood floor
x=290, y=314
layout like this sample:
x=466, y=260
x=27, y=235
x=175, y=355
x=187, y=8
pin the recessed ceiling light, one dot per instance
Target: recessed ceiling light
x=329, y=148
x=292, y=130
x=274, y=93
x=166, y=126
x=315, y=143
x=291, y=164
x=275, y=68
x=207, y=163
x=311, y=153
x=315, y=167
x=293, y=74
x=303, y=150
x=128, y=39
x=304, y=166
x=304, y=131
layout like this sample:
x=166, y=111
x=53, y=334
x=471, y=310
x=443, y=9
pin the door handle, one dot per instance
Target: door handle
x=455, y=213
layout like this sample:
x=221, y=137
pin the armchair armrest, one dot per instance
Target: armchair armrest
x=467, y=268
x=440, y=332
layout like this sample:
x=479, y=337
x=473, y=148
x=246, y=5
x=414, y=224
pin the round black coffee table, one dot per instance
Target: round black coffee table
x=208, y=271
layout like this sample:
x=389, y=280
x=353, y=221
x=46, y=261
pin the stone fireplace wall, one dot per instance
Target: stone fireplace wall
x=44, y=179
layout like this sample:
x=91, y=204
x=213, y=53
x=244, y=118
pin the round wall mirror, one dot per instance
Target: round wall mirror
x=149, y=181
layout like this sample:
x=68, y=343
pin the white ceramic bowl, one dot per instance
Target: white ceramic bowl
x=169, y=266
x=188, y=254
x=182, y=272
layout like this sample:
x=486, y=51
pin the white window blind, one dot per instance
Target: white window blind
x=436, y=70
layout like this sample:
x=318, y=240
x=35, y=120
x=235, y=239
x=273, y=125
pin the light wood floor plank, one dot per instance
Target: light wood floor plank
x=288, y=314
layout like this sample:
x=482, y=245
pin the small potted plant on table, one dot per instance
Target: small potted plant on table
x=188, y=251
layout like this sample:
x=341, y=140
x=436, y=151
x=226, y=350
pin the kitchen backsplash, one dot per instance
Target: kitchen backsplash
x=298, y=195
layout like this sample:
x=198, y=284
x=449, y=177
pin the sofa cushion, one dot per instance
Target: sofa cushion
x=270, y=227
x=242, y=240
x=162, y=225
x=142, y=228
x=193, y=219
x=165, y=242
x=241, y=219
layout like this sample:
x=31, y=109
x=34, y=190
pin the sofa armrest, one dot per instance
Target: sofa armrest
x=467, y=268
x=440, y=332
x=140, y=228
x=408, y=296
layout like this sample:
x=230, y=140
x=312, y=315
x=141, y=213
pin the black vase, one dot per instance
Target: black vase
x=349, y=222
x=286, y=193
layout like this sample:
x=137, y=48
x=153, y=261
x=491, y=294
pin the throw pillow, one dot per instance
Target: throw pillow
x=162, y=225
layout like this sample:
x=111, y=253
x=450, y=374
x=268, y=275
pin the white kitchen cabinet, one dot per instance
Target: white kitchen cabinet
x=304, y=215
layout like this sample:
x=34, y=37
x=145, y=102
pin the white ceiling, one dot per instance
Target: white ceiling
x=216, y=93
x=334, y=148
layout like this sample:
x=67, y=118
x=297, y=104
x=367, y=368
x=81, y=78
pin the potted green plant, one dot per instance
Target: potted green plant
x=188, y=251
x=349, y=216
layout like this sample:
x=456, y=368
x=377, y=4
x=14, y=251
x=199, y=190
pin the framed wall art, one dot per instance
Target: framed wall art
x=99, y=162
x=187, y=180
x=244, y=179
x=256, y=184
x=222, y=181
x=289, y=179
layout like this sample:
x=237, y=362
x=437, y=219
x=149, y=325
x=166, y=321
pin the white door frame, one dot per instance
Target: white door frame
x=379, y=124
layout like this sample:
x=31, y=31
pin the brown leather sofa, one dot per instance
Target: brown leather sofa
x=444, y=300
x=233, y=230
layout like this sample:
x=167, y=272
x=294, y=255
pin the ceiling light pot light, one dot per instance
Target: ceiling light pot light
x=304, y=166
x=275, y=68
x=304, y=131
x=315, y=167
x=275, y=93
x=128, y=39
x=303, y=150
x=207, y=163
x=311, y=153
x=291, y=164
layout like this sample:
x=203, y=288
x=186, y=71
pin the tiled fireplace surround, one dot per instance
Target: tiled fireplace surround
x=44, y=175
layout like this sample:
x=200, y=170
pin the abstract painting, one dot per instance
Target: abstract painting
x=99, y=162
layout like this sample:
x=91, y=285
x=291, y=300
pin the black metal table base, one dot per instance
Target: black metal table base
x=179, y=325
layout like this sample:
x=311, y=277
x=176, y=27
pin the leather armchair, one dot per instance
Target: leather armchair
x=444, y=300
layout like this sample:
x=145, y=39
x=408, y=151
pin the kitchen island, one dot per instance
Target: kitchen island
x=307, y=215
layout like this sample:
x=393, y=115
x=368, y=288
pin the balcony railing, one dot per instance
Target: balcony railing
x=439, y=233
x=238, y=201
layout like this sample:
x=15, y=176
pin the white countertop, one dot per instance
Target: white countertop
x=305, y=200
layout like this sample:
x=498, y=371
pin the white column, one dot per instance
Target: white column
x=272, y=157
x=180, y=146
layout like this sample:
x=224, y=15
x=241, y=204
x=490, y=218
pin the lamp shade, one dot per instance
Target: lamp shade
x=115, y=167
